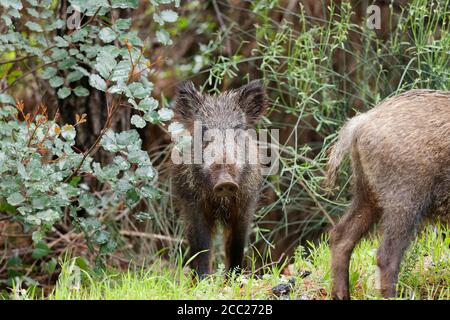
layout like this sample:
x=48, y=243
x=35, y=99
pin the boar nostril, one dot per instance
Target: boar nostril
x=225, y=189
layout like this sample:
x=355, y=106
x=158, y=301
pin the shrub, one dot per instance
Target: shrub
x=45, y=178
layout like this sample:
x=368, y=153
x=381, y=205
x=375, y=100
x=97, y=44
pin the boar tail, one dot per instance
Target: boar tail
x=341, y=148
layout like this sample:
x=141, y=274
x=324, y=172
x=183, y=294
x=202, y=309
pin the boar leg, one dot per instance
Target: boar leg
x=399, y=230
x=235, y=242
x=199, y=239
x=361, y=215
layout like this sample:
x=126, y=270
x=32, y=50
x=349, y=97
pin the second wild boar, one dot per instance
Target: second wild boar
x=400, y=159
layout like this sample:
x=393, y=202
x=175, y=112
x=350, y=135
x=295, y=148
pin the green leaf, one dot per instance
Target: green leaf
x=100, y=237
x=121, y=71
x=15, y=199
x=121, y=162
x=67, y=63
x=108, y=247
x=89, y=224
x=7, y=20
x=138, y=90
x=49, y=73
x=32, y=12
x=41, y=250
x=59, y=54
x=33, y=220
x=33, y=26
x=137, y=121
x=87, y=201
x=163, y=37
x=146, y=172
x=68, y=132
x=37, y=236
x=90, y=7
x=105, y=63
x=138, y=156
x=74, y=51
x=6, y=98
x=6, y=207
x=149, y=192
x=128, y=138
x=125, y=4
x=74, y=181
x=74, y=76
x=108, y=141
x=82, y=70
x=11, y=3
x=175, y=128
x=49, y=216
x=165, y=114
x=107, y=173
x=14, y=13
x=148, y=104
x=107, y=35
x=122, y=186
x=64, y=92
x=56, y=82
x=97, y=82
x=24, y=210
x=61, y=42
x=79, y=35
x=58, y=24
x=122, y=24
x=50, y=266
x=169, y=15
x=81, y=92
x=131, y=197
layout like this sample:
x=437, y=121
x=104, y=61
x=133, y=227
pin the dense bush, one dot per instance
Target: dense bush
x=44, y=178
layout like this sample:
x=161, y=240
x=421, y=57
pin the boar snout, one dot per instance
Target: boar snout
x=225, y=186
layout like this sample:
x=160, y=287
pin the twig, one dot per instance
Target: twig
x=91, y=18
x=271, y=264
x=26, y=75
x=15, y=235
x=321, y=208
x=223, y=26
x=24, y=57
x=150, y=236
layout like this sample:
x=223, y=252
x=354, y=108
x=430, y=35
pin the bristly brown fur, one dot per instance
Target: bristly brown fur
x=193, y=185
x=400, y=157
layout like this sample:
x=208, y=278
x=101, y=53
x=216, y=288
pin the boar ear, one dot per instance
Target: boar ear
x=252, y=99
x=188, y=100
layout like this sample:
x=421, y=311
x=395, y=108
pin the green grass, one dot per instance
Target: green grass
x=424, y=275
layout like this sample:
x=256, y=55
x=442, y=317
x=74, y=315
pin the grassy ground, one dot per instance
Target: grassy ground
x=425, y=275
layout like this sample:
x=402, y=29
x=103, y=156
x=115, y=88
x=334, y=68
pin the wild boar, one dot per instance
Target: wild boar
x=220, y=189
x=400, y=160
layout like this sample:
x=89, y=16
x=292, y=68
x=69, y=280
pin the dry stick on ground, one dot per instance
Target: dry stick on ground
x=271, y=264
x=150, y=236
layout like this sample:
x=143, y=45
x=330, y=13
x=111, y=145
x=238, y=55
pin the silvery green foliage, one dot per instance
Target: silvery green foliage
x=40, y=173
x=37, y=181
x=104, y=53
